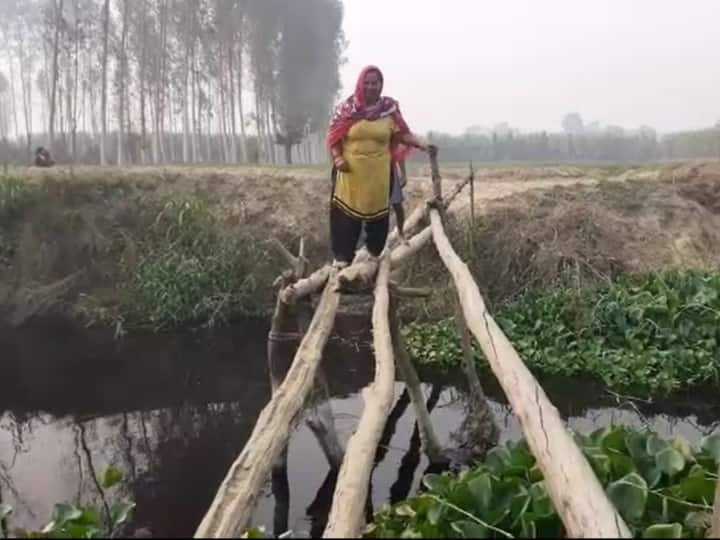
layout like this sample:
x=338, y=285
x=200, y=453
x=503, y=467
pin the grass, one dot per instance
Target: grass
x=148, y=250
x=189, y=273
x=658, y=332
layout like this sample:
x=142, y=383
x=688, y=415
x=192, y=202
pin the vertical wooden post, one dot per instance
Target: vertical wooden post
x=472, y=197
x=436, y=178
x=428, y=438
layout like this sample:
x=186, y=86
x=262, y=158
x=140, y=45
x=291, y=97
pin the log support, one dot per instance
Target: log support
x=429, y=441
x=572, y=485
x=347, y=514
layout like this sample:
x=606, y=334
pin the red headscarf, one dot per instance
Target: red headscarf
x=354, y=109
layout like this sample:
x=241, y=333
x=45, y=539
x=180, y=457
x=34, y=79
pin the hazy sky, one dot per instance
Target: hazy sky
x=455, y=63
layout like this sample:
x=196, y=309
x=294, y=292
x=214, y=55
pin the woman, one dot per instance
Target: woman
x=367, y=134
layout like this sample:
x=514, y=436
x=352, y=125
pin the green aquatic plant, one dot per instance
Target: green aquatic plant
x=662, y=488
x=658, y=332
x=82, y=520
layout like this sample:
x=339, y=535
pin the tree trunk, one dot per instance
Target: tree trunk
x=103, y=98
x=185, y=104
x=243, y=137
x=13, y=101
x=123, y=71
x=26, y=84
x=231, y=97
x=53, y=91
x=76, y=82
x=288, y=153
x=194, y=108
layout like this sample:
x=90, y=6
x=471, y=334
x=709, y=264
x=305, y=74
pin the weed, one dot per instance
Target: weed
x=190, y=272
x=662, y=488
x=658, y=332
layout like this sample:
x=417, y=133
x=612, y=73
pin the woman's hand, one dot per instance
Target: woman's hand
x=341, y=165
x=431, y=149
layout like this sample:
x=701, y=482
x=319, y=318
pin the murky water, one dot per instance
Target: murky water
x=174, y=411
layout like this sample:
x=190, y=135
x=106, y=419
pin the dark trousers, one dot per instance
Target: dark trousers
x=345, y=233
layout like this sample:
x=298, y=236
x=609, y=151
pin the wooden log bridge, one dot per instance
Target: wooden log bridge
x=577, y=494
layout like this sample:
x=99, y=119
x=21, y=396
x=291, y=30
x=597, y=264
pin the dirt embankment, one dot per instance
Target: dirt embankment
x=70, y=244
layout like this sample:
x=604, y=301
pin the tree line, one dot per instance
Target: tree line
x=158, y=81
x=577, y=142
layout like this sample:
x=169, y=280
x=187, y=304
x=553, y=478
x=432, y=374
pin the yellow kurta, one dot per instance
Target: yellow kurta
x=364, y=192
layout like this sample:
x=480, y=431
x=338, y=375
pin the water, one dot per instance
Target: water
x=174, y=411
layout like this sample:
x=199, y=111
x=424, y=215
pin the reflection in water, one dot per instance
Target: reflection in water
x=174, y=411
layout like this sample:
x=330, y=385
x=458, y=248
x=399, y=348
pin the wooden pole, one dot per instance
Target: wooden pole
x=322, y=423
x=231, y=510
x=430, y=444
x=347, y=512
x=572, y=485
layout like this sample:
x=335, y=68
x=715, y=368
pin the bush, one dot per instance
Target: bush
x=657, y=332
x=190, y=272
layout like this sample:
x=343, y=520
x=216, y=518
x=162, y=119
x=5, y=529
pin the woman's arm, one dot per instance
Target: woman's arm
x=410, y=139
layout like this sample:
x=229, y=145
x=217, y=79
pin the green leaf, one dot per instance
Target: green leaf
x=120, y=511
x=255, y=532
x=683, y=446
x=636, y=444
x=655, y=445
x=621, y=465
x=664, y=530
x=497, y=459
x=470, y=529
x=436, y=483
x=481, y=489
x=5, y=510
x=404, y=510
x=542, y=505
x=433, y=515
x=62, y=513
x=613, y=439
x=111, y=477
x=670, y=461
x=629, y=495
x=697, y=489
x=711, y=444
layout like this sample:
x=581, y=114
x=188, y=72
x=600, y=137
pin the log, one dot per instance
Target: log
x=402, y=252
x=409, y=292
x=290, y=259
x=429, y=441
x=436, y=178
x=231, y=510
x=469, y=367
x=420, y=214
x=572, y=485
x=315, y=281
x=358, y=275
x=305, y=287
x=347, y=512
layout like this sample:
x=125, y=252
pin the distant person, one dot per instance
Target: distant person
x=367, y=135
x=43, y=158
